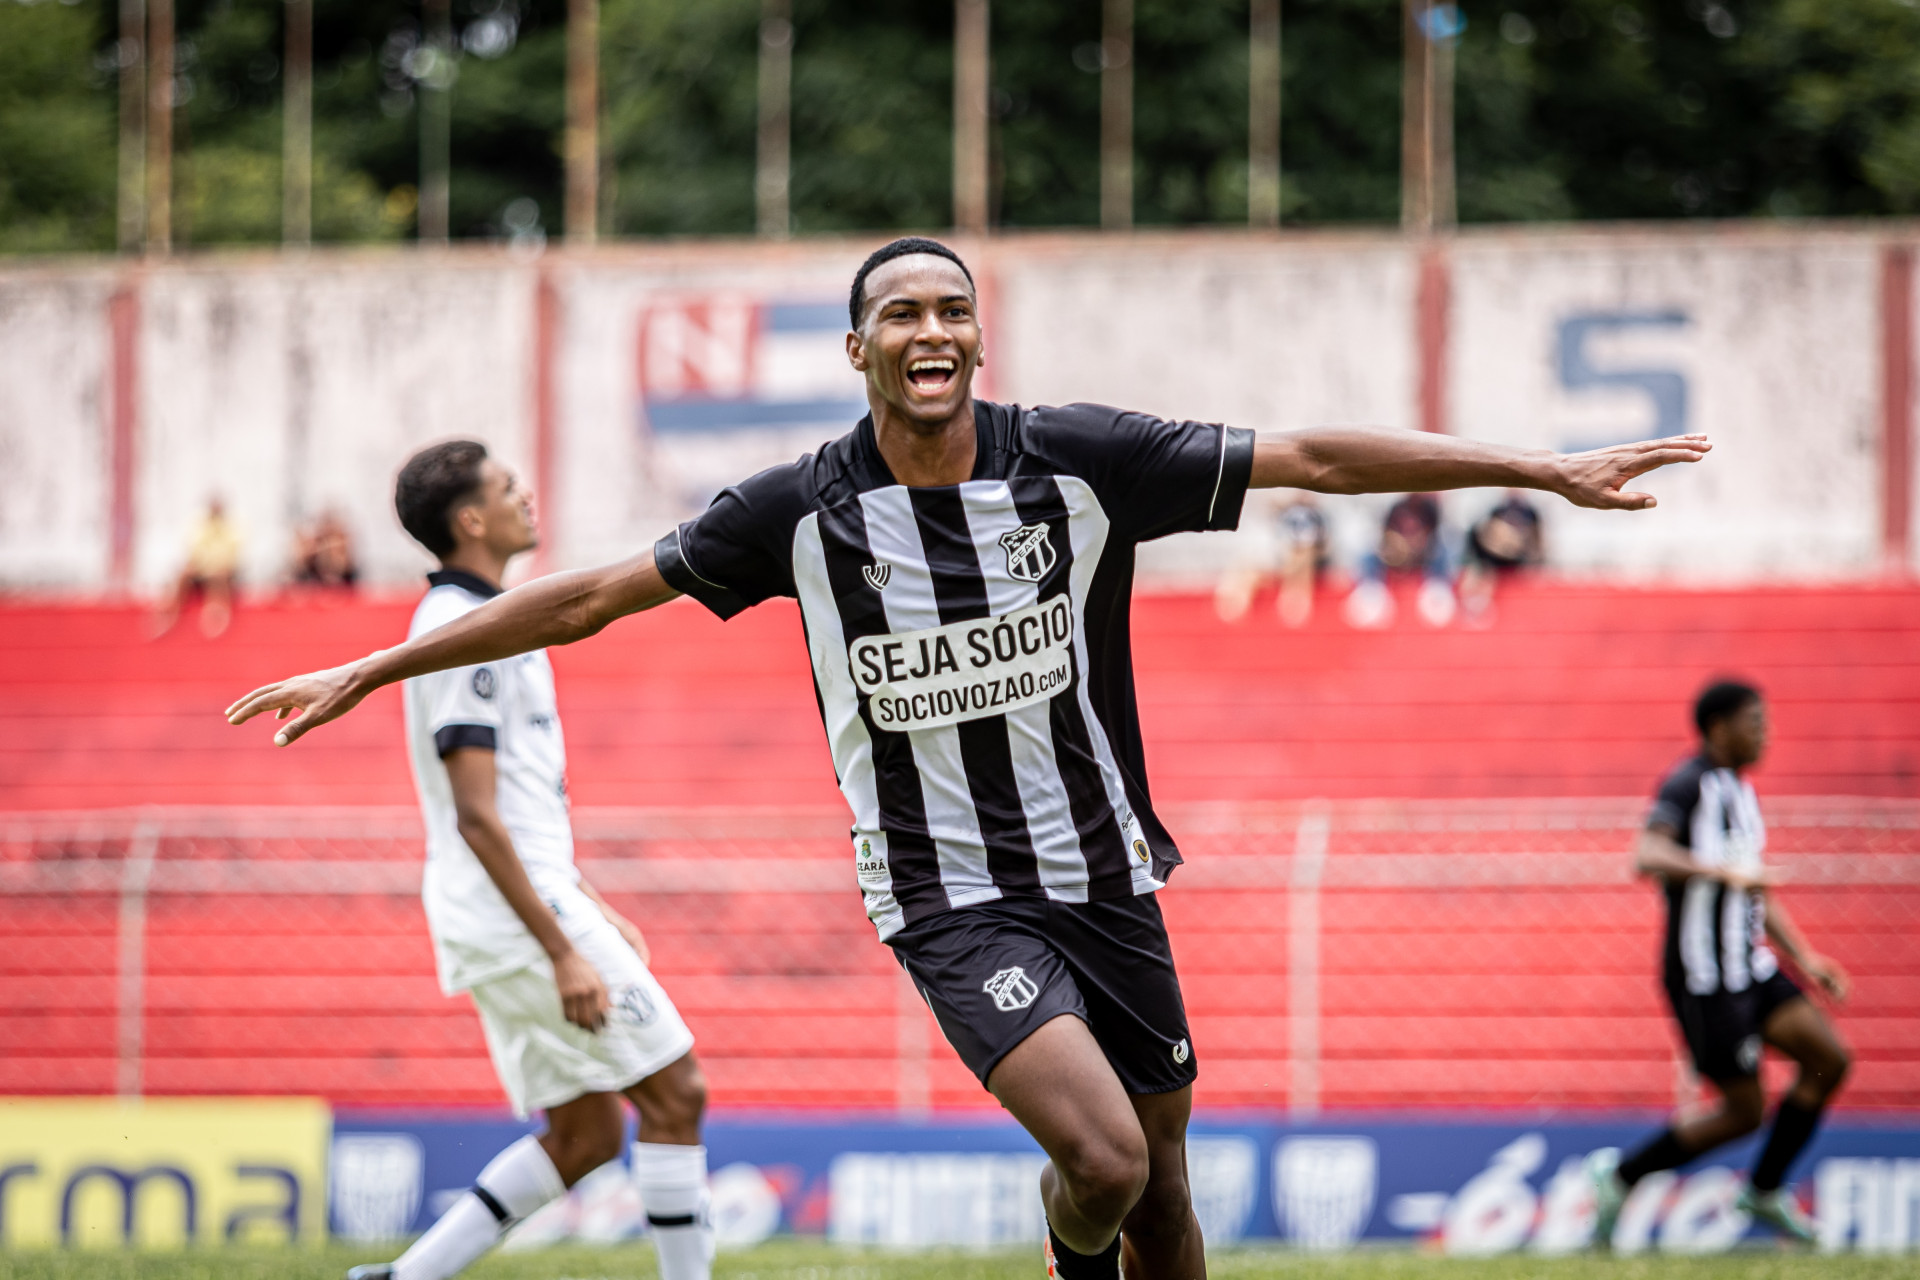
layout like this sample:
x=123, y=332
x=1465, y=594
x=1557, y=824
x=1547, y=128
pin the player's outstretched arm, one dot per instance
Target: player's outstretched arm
x=1377, y=460
x=558, y=609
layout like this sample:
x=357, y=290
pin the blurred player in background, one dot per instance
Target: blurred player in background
x=965, y=572
x=573, y=1018
x=1703, y=842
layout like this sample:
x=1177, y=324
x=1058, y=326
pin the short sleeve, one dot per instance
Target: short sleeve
x=739, y=551
x=1152, y=476
x=1674, y=804
x=463, y=707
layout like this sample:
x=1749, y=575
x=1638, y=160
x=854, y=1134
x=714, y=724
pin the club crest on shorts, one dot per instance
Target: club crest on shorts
x=1181, y=1052
x=1748, y=1054
x=877, y=574
x=1011, y=989
x=483, y=683
x=635, y=1006
x=1030, y=552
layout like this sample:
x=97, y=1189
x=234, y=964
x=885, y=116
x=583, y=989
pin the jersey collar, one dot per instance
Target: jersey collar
x=473, y=582
x=875, y=474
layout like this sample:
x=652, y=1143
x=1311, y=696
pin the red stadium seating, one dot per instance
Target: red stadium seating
x=1573, y=691
x=1443, y=994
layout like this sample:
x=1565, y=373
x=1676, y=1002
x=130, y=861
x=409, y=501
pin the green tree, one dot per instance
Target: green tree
x=56, y=131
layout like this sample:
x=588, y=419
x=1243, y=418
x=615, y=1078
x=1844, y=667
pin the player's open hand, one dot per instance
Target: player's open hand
x=311, y=700
x=1598, y=478
x=583, y=997
x=1831, y=978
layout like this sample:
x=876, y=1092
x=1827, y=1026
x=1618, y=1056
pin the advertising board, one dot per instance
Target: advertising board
x=162, y=1172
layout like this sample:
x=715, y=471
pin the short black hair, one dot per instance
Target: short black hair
x=435, y=481
x=857, y=300
x=1720, y=700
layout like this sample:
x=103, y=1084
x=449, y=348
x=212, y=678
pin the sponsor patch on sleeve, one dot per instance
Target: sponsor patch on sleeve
x=966, y=670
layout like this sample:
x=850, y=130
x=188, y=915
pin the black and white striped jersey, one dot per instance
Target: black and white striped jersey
x=1716, y=934
x=970, y=642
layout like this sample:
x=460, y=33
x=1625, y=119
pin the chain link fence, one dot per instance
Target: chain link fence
x=1335, y=956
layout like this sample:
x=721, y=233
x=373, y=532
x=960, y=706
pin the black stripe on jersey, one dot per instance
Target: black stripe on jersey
x=1109, y=865
x=911, y=857
x=960, y=593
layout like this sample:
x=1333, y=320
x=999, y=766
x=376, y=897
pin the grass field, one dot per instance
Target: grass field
x=814, y=1261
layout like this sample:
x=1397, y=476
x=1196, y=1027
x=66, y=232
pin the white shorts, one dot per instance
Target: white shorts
x=542, y=1059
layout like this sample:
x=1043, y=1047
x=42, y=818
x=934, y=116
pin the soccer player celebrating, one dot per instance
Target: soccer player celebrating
x=1703, y=841
x=963, y=571
x=573, y=1018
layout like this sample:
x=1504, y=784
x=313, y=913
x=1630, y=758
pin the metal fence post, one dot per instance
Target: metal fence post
x=1303, y=960
x=134, y=877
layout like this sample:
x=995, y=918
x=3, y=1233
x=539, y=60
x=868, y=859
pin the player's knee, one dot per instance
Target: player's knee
x=688, y=1099
x=672, y=1105
x=1831, y=1070
x=1105, y=1175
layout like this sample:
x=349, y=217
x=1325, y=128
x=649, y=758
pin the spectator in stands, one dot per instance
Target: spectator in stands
x=323, y=553
x=213, y=563
x=1506, y=541
x=1410, y=545
x=1297, y=556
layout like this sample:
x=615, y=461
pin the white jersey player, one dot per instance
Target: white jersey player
x=573, y=1018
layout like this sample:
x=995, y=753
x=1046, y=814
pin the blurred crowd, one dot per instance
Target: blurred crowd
x=1450, y=575
x=321, y=560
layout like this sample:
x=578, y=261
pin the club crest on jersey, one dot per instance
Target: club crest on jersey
x=483, y=684
x=1030, y=552
x=877, y=574
x=1011, y=989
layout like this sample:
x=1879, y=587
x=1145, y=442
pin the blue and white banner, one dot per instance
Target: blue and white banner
x=730, y=383
x=1468, y=1186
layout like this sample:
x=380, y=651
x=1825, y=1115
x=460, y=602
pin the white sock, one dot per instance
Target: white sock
x=515, y=1183
x=673, y=1186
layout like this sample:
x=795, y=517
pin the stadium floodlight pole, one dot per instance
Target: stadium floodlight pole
x=1444, y=25
x=1416, y=122
x=434, y=76
x=131, y=55
x=1263, y=114
x=1426, y=132
x=971, y=19
x=296, y=158
x=583, y=121
x=773, y=156
x=160, y=127
x=1116, y=115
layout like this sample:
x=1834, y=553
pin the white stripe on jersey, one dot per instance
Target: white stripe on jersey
x=1723, y=929
x=1056, y=842
x=910, y=605
x=847, y=738
x=1088, y=527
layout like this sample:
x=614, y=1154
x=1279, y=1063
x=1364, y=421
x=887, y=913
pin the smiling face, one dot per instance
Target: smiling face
x=919, y=339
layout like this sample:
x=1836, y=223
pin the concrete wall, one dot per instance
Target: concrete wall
x=633, y=382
